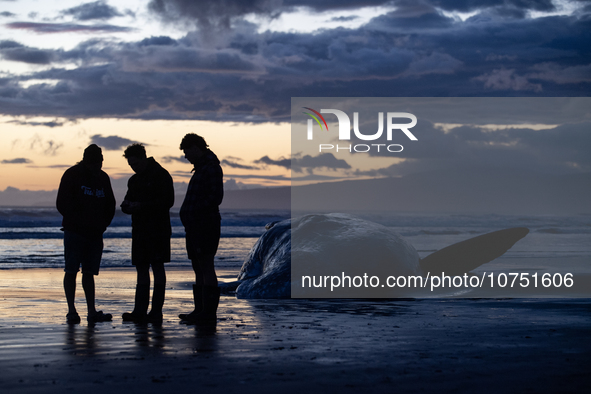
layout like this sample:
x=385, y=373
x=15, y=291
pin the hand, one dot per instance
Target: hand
x=129, y=207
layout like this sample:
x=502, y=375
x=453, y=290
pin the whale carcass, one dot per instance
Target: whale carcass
x=334, y=243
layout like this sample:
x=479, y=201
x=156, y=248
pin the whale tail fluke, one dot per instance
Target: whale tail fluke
x=467, y=255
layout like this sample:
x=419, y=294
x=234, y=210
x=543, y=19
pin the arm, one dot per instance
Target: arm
x=110, y=202
x=66, y=195
x=204, y=194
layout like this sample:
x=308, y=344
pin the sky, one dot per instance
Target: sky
x=114, y=73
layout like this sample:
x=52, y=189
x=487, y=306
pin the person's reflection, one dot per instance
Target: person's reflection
x=205, y=337
x=149, y=337
x=81, y=340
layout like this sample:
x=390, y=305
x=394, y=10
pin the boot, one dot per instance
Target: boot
x=142, y=300
x=155, y=315
x=198, y=299
x=211, y=300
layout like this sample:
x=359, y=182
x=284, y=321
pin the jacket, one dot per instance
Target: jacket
x=153, y=189
x=85, y=200
x=204, y=193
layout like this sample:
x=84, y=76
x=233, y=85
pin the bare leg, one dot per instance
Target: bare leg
x=70, y=290
x=88, y=286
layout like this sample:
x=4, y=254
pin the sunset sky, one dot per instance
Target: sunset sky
x=112, y=73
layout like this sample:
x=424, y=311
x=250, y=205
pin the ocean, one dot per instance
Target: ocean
x=31, y=237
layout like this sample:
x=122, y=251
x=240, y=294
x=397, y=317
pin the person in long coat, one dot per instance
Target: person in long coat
x=150, y=195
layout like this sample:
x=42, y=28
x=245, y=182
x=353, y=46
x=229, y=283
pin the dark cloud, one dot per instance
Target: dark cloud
x=306, y=162
x=7, y=14
x=90, y=11
x=233, y=184
x=326, y=5
x=474, y=5
x=11, y=50
x=112, y=142
x=344, y=18
x=249, y=76
x=234, y=163
x=51, y=124
x=48, y=28
x=323, y=160
x=211, y=13
x=264, y=177
x=555, y=150
x=281, y=162
x=170, y=159
x=280, y=178
x=20, y=160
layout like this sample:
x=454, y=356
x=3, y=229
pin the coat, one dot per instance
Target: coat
x=150, y=224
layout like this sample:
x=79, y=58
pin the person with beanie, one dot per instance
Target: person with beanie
x=86, y=202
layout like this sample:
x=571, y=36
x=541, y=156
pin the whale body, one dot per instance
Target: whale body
x=333, y=243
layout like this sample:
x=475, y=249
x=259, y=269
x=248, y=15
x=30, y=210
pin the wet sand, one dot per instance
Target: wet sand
x=264, y=346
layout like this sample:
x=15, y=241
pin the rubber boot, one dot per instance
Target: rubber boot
x=211, y=300
x=142, y=301
x=155, y=315
x=198, y=299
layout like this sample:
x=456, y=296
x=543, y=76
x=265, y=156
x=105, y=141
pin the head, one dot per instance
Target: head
x=136, y=157
x=93, y=158
x=194, y=146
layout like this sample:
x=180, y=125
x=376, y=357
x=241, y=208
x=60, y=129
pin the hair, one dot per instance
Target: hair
x=135, y=150
x=193, y=139
x=92, y=154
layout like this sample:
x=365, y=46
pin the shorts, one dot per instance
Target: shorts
x=85, y=250
x=204, y=240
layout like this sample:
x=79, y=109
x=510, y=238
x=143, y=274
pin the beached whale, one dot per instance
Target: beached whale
x=325, y=244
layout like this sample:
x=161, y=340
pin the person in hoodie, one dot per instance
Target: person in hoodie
x=200, y=215
x=86, y=202
x=150, y=195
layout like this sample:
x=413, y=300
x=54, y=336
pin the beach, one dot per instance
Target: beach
x=260, y=346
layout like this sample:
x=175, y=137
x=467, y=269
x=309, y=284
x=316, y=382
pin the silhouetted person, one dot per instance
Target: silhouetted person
x=200, y=215
x=85, y=200
x=150, y=195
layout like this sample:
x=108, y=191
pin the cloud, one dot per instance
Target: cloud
x=307, y=162
x=46, y=147
x=112, y=142
x=561, y=74
x=281, y=162
x=232, y=184
x=323, y=160
x=50, y=28
x=51, y=124
x=90, y=11
x=470, y=6
x=504, y=79
x=210, y=13
x=20, y=160
x=250, y=76
x=553, y=150
x=233, y=163
x=7, y=14
x=281, y=178
x=11, y=50
x=170, y=159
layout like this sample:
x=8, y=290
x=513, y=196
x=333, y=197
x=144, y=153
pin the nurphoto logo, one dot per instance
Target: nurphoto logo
x=345, y=130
